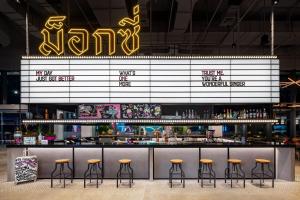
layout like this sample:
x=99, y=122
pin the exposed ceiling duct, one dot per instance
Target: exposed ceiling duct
x=8, y=8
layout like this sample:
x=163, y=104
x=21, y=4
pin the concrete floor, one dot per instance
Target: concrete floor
x=146, y=190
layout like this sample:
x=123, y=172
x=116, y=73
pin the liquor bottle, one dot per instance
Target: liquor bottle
x=244, y=114
x=224, y=114
x=183, y=115
x=176, y=113
x=265, y=113
x=46, y=114
x=247, y=114
x=192, y=115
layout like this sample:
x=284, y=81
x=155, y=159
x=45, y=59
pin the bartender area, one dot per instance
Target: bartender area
x=168, y=99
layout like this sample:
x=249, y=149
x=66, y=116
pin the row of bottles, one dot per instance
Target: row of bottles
x=228, y=113
x=243, y=114
x=188, y=114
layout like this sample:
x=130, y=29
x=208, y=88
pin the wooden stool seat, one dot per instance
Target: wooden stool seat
x=176, y=161
x=94, y=161
x=206, y=161
x=262, y=160
x=234, y=161
x=124, y=161
x=62, y=161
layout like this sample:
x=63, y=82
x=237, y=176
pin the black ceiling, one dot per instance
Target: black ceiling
x=169, y=27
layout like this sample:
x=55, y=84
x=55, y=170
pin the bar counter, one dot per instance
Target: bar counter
x=151, y=161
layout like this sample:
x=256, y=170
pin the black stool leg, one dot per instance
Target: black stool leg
x=52, y=173
x=230, y=174
x=212, y=172
x=243, y=175
x=272, y=174
x=199, y=172
x=131, y=172
x=91, y=173
x=209, y=173
x=171, y=174
x=97, y=176
x=226, y=173
x=119, y=174
x=182, y=175
x=63, y=172
x=202, y=171
x=101, y=172
x=260, y=177
x=71, y=171
x=60, y=172
x=252, y=172
x=85, y=175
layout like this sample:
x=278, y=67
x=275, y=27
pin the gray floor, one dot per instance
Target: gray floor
x=144, y=189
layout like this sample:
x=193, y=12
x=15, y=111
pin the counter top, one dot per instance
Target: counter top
x=157, y=145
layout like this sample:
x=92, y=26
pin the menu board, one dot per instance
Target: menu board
x=100, y=111
x=141, y=111
x=149, y=80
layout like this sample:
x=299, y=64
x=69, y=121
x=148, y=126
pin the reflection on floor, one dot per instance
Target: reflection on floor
x=145, y=190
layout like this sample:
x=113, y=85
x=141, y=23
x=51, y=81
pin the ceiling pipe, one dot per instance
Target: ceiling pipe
x=170, y=16
x=209, y=23
x=272, y=30
x=240, y=19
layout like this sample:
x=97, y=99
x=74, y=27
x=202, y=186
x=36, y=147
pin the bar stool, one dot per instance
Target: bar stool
x=125, y=167
x=262, y=173
x=176, y=163
x=61, y=163
x=93, y=166
x=234, y=168
x=205, y=168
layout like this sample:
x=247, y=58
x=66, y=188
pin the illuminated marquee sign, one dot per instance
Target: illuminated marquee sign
x=152, y=79
x=78, y=42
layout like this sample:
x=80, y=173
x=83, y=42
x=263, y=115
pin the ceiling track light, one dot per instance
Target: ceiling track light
x=275, y=2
